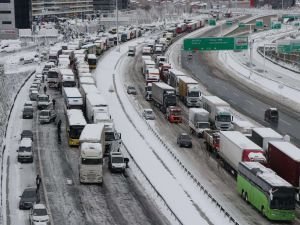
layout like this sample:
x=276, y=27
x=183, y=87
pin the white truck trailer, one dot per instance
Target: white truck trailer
x=236, y=147
x=189, y=91
x=198, y=121
x=263, y=135
x=94, y=102
x=91, y=161
x=219, y=112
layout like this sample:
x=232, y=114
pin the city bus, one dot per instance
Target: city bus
x=75, y=124
x=92, y=61
x=90, y=48
x=72, y=98
x=270, y=194
x=53, y=78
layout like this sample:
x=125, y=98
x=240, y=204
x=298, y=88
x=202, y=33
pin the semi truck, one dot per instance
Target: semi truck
x=219, y=112
x=163, y=96
x=173, y=78
x=152, y=75
x=164, y=71
x=212, y=140
x=235, y=148
x=91, y=153
x=189, y=91
x=91, y=163
x=263, y=135
x=198, y=121
x=284, y=159
x=173, y=114
x=146, y=65
x=94, y=102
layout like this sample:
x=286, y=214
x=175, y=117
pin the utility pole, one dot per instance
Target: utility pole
x=117, y=21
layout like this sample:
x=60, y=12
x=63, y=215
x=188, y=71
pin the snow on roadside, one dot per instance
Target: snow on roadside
x=178, y=190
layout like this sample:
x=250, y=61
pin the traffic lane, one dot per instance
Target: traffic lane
x=18, y=175
x=113, y=203
x=63, y=198
x=196, y=159
x=239, y=96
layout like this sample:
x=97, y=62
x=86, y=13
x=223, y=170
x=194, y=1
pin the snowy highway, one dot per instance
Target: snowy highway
x=164, y=184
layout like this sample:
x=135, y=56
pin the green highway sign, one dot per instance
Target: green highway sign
x=284, y=46
x=259, y=23
x=242, y=25
x=229, y=22
x=212, y=22
x=275, y=25
x=296, y=24
x=291, y=16
x=295, y=46
x=215, y=43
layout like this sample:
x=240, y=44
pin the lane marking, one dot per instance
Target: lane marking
x=251, y=103
x=287, y=123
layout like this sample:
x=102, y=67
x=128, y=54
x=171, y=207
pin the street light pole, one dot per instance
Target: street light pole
x=117, y=16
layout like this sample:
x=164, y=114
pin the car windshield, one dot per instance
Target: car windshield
x=274, y=113
x=131, y=88
x=40, y=212
x=24, y=149
x=109, y=136
x=117, y=159
x=224, y=118
x=194, y=94
x=43, y=98
x=149, y=112
x=185, y=137
x=29, y=194
x=44, y=113
x=91, y=161
x=28, y=109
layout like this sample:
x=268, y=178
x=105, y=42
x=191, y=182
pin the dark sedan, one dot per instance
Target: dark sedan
x=28, y=198
x=184, y=140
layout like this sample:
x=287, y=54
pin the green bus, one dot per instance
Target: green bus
x=270, y=194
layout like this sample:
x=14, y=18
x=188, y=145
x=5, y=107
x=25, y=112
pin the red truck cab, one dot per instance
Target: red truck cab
x=173, y=114
x=164, y=72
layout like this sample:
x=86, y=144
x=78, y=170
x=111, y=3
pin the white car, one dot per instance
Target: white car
x=148, y=114
x=39, y=215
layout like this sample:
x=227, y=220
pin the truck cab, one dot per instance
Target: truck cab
x=113, y=139
x=223, y=118
x=173, y=114
x=164, y=71
x=271, y=115
x=43, y=101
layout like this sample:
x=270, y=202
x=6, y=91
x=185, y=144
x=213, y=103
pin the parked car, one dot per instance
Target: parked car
x=271, y=115
x=33, y=94
x=131, y=90
x=27, y=134
x=184, y=140
x=47, y=116
x=28, y=198
x=25, y=153
x=39, y=215
x=27, y=112
x=148, y=114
